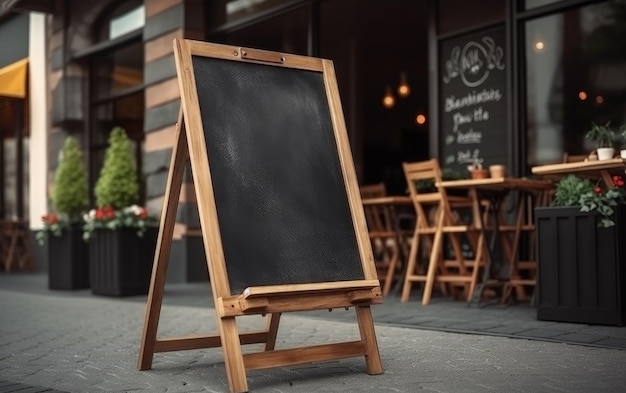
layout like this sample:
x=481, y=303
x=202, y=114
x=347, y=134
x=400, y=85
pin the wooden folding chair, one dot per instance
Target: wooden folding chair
x=382, y=235
x=376, y=190
x=523, y=271
x=14, y=246
x=437, y=220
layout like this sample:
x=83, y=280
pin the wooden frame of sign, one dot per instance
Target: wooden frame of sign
x=280, y=211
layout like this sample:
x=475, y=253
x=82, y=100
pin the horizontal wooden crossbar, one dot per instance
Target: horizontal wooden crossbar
x=317, y=353
x=205, y=341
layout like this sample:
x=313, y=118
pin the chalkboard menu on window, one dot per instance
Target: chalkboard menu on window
x=473, y=100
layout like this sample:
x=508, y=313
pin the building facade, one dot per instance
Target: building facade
x=513, y=82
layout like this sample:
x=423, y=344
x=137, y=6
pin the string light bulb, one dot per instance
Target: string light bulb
x=388, y=99
x=403, y=88
x=420, y=119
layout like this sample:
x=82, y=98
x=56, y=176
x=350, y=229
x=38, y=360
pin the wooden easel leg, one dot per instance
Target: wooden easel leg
x=233, y=356
x=368, y=336
x=272, y=330
x=164, y=242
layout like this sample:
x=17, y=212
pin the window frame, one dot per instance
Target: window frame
x=86, y=58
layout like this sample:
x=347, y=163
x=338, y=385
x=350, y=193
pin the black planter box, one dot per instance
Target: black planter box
x=68, y=260
x=121, y=261
x=581, y=267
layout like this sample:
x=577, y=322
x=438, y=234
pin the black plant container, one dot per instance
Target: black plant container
x=68, y=260
x=121, y=261
x=581, y=267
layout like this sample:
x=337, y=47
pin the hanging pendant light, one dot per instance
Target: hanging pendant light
x=388, y=99
x=403, y=88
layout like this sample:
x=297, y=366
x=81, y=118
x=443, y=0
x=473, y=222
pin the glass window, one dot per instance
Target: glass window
x=10, y=178
x=234, y=10
x=114, y=72
x=125, y=23
x=453, y=15
x=116, y=80
x=530, y=4
x=125, y=17
x=286, y=32
x=575, y=75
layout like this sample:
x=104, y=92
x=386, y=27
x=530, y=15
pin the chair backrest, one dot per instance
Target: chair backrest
x=423, y=179
x=373, y=190
x=377, y=216
x=574, y=158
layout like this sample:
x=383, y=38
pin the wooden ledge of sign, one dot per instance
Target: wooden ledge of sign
x=324, y=287
x=301, y=297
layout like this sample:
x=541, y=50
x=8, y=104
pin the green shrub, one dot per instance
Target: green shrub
x=577, y=191
x=117, y=185
x=70, y=195
x=569, y=189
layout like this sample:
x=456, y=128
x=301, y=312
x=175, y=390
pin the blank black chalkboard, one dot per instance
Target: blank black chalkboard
x=473, y=99
x=281, y=200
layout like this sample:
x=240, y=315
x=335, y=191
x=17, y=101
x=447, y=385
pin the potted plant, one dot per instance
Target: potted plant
x=603, y=136
x=477, y=171
x=581, y=243
x=622, y=152
x=68, y=264
x=121, y=234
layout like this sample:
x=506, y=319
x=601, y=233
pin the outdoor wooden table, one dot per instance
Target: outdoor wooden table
x=496, y=270
x=383, y=220
x=14, y=245
x=595, y=168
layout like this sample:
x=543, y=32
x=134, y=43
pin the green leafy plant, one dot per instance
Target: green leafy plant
x=476, y=165
x=576, y=191
x=117, y=191
x=428, y=185
x=602, y=134
x=622, y=133
x=69, y=196
x=117, y=185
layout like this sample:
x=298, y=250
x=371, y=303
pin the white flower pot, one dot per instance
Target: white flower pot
x=622, y=153
x=605, y=153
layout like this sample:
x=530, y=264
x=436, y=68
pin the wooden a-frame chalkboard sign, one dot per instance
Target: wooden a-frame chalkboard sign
x=280, y=211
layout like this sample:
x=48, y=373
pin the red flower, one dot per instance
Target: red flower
x=598, y=190
x=143, y=213
x=50, y=219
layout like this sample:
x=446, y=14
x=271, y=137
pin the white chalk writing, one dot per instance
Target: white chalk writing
x=453, y=103
x=468, y=156
x=471, y=136
x=473, y=62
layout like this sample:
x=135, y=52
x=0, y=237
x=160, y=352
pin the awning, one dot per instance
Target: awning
x=13, y=79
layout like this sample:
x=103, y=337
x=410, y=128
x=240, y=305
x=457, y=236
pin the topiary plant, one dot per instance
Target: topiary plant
x=70, y=195
x=117, y=185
